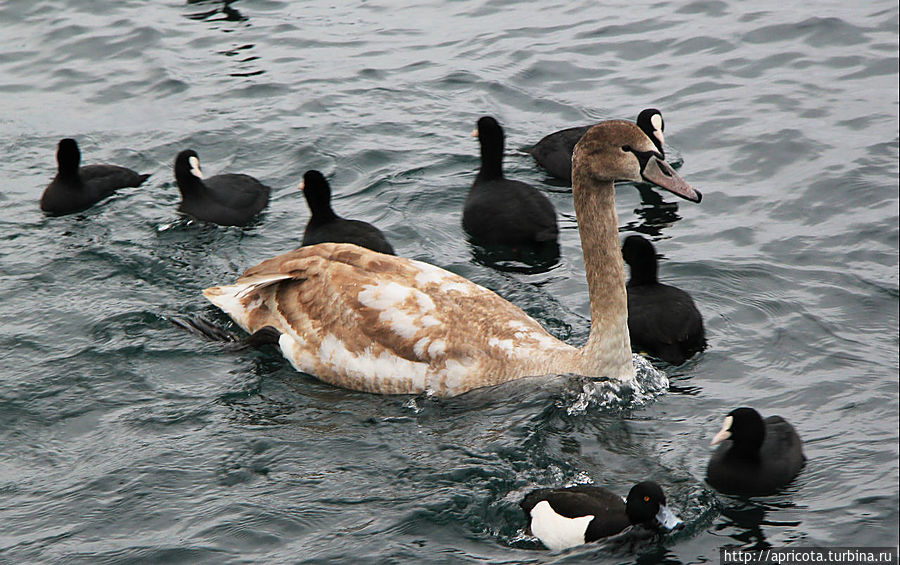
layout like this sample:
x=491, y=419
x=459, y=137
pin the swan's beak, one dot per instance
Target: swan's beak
x=474, y=133
x=662, y=174
x=302, y=186
x=724, y=433
x=667, y=519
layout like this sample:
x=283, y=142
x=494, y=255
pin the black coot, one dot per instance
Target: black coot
x=757, y=456
x=554, y=151
x=77, y=188
x=501, y=211
x=326, y=226
x=663, y=321
x=227, y=200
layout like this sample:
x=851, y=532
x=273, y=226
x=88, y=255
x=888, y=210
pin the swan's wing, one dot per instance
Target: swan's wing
x=375, y=322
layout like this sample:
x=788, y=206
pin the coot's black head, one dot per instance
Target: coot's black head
x=68, y=156
x=651, y=121
x=317, y=192
x=744, y=427
x=489, y=130
x=640, y=255
x=646, y=505
x=187, y=167
x=490, y=136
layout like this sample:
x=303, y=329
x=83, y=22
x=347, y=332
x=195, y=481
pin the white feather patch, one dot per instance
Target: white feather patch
x=505, y=345
x=367, y=367
x=419, y=347
x=437, y=348
x=543, y=340
x=390, y=298
x=383, y=296
x=459, y=287
x=255, y=282
x=195, y=167
x=228, y=299
x=428, y=321
x=555, y=531
x=455, y=372
x=400, y=322
x=429, y=273
x=297, y=352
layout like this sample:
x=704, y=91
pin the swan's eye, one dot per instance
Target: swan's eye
x=646, y=499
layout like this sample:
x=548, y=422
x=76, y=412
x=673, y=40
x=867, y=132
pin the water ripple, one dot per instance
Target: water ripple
x=129, y=440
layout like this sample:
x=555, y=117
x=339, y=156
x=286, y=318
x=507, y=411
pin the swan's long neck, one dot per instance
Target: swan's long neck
x=608, y=349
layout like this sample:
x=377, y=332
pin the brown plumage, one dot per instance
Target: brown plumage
x=378, y=323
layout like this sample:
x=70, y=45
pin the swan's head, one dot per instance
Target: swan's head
x=188, y=163
x=619, y=150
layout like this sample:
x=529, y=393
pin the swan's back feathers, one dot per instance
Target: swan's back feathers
x=368, y=321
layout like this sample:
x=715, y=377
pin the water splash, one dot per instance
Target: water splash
x=411, y=404
x=575, y=394
x=581, y=478
x=161, y=228
x=648, y=383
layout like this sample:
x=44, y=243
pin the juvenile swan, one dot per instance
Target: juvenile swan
x=377, y=323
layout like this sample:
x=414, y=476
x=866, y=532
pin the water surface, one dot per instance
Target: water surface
x=125, y=439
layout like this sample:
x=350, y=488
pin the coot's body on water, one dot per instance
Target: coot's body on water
x=502, y=211
x=76, y=188
x=325, y=226
x=663, y=320
x=227, y=199
x=757, y=456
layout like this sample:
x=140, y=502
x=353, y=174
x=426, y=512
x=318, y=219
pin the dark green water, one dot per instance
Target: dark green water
x=126, y=440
